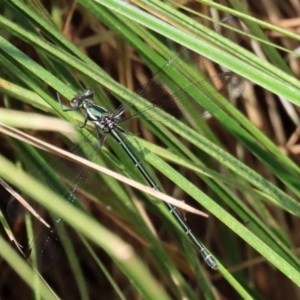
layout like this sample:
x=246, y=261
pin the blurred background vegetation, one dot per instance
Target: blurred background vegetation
x=237, y=159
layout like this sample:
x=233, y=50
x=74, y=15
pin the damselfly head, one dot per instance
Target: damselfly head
x=80, y=97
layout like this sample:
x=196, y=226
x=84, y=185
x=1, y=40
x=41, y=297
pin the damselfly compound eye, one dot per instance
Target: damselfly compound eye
x=74, y=102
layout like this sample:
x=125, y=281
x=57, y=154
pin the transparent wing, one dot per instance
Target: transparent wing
x=154, y=91
x=64, y=178
x=229, y=84
x=46, y=249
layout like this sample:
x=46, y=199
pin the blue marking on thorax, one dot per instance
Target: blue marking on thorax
x=97, y=111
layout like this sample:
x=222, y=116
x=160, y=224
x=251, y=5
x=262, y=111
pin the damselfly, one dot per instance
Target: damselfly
x=48, y=242
x=109, y=123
